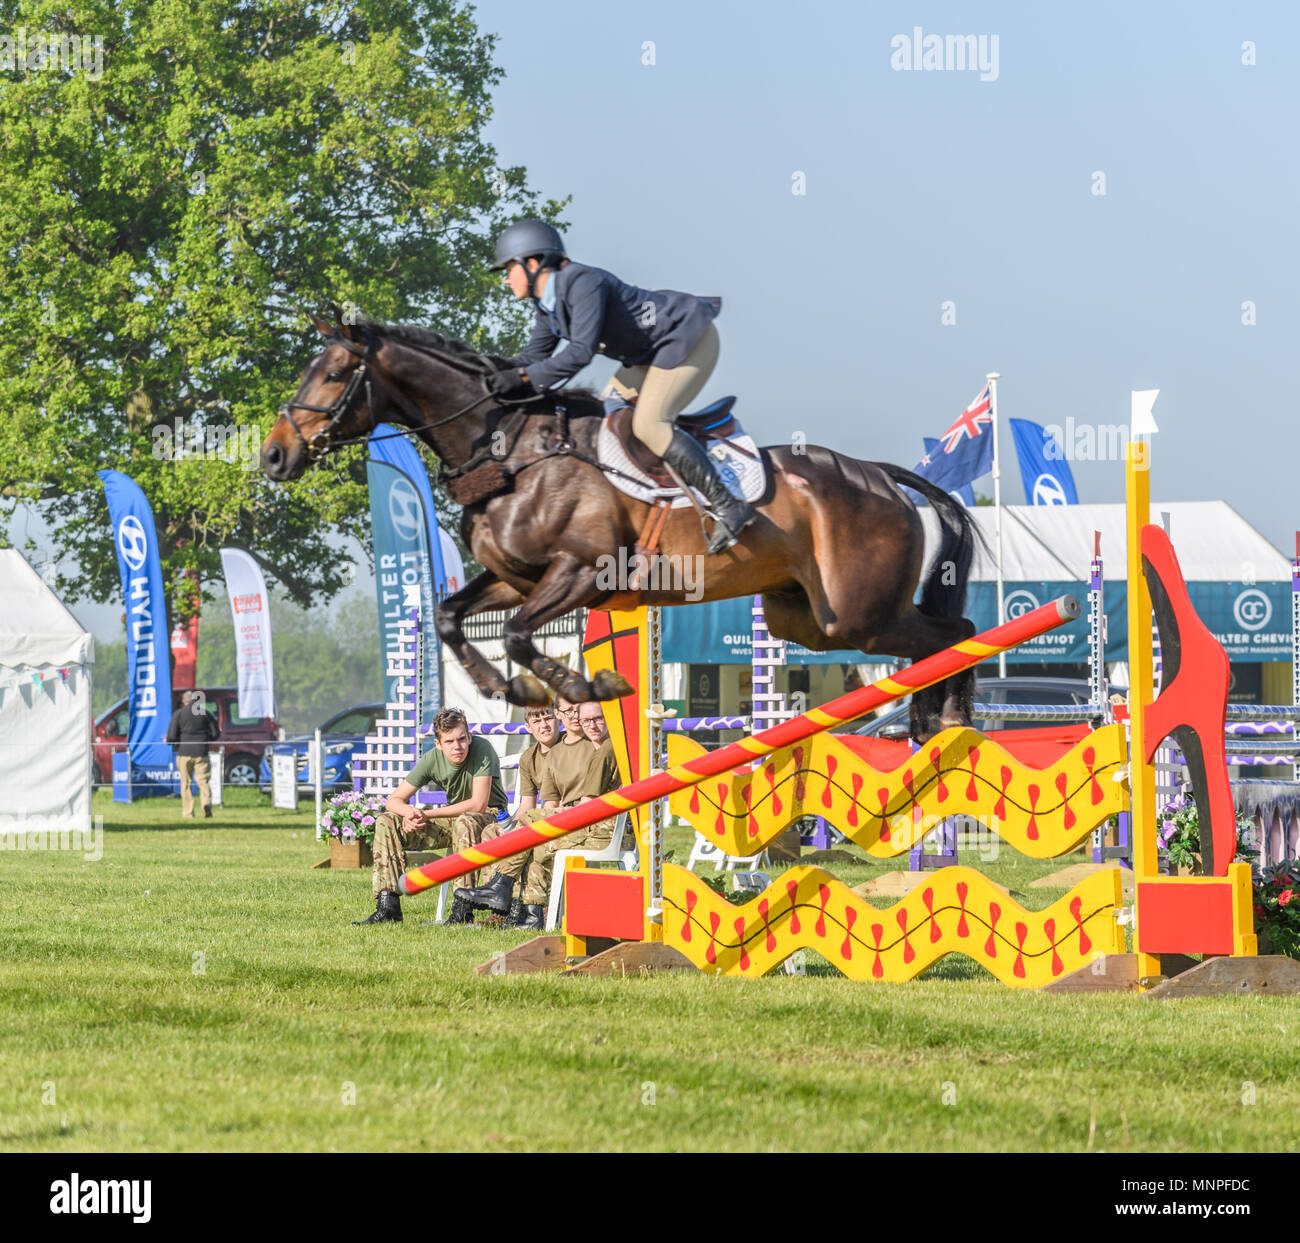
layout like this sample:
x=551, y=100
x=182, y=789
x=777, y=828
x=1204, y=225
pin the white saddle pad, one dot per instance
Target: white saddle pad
x=744, y=476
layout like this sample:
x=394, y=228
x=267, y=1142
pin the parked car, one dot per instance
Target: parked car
x=342, y=734
x=243, y=738
x=1027, y=690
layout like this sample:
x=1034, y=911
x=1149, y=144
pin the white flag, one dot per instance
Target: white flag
x=250, y=610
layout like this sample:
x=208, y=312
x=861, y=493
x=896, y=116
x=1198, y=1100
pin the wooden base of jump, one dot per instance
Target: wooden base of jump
x=1068, y=877
x=1266, y=975
x=620, y=958
x=633, y=958
x=899, y=884
x=540, y=954
x=1221, y=976
x=1118, y=973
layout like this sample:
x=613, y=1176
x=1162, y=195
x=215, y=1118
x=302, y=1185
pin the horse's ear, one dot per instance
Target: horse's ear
x=325, y=330
x=345, y=325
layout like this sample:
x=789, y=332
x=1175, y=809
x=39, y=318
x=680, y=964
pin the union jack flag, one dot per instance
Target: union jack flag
x=970, y=422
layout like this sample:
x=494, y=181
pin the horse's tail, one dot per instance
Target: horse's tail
x=944, y=592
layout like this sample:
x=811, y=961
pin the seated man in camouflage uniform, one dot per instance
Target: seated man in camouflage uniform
x=594, y=772
x=470, y=773
x=564, y=782
x=497, y=891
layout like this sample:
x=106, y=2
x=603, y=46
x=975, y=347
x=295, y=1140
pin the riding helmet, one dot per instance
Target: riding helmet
x=527, y=238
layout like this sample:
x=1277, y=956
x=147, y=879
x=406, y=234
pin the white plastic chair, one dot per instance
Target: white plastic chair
x=704, y=851
x=613, y=853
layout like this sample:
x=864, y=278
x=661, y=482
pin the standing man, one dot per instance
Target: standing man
x=189, y=731
x=470, y=773
x=497, y=893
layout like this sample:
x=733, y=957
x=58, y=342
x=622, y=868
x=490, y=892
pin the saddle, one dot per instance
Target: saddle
x=715, y=422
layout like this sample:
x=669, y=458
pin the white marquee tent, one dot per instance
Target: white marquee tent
x=45, y=722
x=1053, y=543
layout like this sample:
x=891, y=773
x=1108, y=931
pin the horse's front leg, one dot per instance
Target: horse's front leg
x=483, y=593
x=568, y=584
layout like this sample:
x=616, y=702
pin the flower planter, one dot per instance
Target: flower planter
x=350, y=854
x=1183, y=869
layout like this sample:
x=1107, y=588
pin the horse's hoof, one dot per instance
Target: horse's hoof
x=609, y=684
x=954, y=722
x=576, y=689
x=525, y=691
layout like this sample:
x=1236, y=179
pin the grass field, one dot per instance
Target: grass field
x=200, y=988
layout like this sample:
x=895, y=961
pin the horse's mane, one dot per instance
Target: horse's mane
x=416, y=334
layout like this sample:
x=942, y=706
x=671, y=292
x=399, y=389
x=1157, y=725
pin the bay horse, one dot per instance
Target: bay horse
x=837, y=551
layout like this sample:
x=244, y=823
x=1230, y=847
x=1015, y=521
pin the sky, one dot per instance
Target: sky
x=681, y=132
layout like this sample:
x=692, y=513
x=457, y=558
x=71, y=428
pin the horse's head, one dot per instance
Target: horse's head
x=334, y=402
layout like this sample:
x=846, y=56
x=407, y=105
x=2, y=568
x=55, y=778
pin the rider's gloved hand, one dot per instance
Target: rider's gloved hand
x=510, y=382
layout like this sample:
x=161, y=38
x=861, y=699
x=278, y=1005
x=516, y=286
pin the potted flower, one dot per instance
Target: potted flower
x=1277, y=909
x=349, y=823
x=1180, y=836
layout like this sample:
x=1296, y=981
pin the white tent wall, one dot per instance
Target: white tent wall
x=1053, y=543
x=45, y=716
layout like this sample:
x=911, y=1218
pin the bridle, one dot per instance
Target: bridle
x=322, y=442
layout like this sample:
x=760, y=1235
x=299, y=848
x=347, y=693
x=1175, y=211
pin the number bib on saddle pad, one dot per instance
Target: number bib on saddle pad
x=736, y=458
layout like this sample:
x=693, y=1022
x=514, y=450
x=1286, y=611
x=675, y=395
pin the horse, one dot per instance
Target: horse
x=837, y=551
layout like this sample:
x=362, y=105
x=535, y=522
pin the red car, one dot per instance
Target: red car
x=243, y=739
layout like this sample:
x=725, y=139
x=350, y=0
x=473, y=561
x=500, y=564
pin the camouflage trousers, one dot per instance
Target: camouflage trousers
x=541, y=859
x=391, y=844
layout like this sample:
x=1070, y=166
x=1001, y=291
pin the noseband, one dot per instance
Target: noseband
x=319, y=444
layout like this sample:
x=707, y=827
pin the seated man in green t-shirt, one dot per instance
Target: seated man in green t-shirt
x=470, y=774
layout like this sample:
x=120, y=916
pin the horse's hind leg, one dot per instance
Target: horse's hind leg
x=945, y=704
x=483, y=593
x=568, y=584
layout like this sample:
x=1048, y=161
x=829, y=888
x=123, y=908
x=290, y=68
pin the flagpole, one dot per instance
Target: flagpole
x=992, y=377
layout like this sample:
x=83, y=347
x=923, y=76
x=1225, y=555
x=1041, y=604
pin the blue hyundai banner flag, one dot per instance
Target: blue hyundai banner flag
x=148, y=652
x=965, y=451
x=1043, y=468
x=407, y=550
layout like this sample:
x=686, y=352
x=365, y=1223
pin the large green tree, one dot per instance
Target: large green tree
x=164, y=220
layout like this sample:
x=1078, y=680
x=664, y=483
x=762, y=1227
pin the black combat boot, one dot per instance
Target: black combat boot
x=494, y=896
x=534, y=919
x=388, y=909
x=516, y=916
x=688, y=458
x=461, y=912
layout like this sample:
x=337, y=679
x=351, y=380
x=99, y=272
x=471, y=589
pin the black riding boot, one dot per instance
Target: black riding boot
x=388, y=909
x=732, y=515
x=495, y=895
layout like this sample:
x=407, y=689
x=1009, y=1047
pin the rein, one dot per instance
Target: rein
x=322, y=442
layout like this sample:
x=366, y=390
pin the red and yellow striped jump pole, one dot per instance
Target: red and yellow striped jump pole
x=846, y=708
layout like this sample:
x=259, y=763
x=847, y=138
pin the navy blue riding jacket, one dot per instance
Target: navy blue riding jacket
x=596, y=313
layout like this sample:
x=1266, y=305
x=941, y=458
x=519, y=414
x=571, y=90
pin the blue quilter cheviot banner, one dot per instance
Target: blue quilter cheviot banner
x=407, y=549
x=148, y=668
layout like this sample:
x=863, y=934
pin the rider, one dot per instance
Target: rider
x=665, y=340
